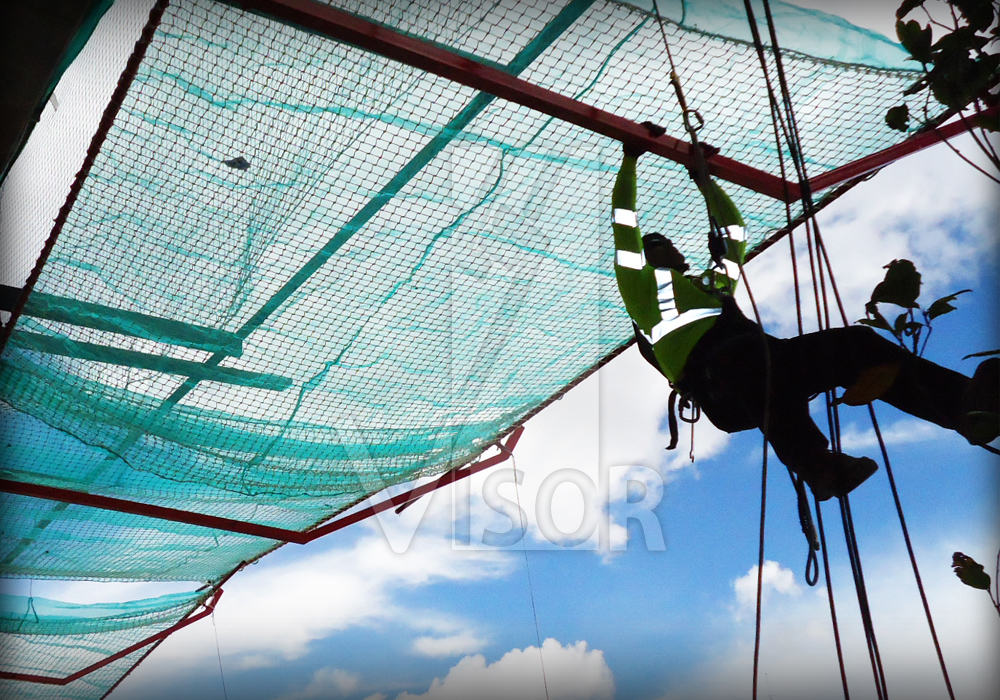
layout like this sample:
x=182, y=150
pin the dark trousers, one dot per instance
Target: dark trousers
x=728, y=370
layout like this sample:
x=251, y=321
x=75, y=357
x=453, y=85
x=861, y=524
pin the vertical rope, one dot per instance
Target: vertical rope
x=218, y=653
x=758, y=614
x=863, y=604
x=833, y=606
x=527, y=570
x=909, y=550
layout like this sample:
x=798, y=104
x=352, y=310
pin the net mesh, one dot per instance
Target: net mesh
x=299, y=272
x=57, y=639
x=395, y=268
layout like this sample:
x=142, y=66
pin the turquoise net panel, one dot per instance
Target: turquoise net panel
x=299, y=272
x=57, y=639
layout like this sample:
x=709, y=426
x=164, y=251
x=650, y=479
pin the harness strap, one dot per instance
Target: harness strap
x=673, y=413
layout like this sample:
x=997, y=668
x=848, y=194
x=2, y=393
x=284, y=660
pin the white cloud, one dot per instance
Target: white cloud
x=775, y=577
x=798, y=656
x=273, y=612
x=327, y=684
x=454, y=645
x=572, y=672
x=575, y=460
x=948, y=234
x=908, y=430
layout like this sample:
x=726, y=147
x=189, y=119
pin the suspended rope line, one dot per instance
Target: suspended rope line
x=825, y=261
x=830, y=599
x=218, y=653
x=859, y=582
x=527, y=570
x=779, y=127
x=700, y=174
x=758, y=615
x=909, y=549
x=823, y=319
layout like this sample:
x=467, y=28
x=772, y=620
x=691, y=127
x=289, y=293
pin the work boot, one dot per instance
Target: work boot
x=980, y=422
x=838, y=474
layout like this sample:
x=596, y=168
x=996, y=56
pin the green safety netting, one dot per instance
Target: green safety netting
x=299, y=272
x=57, y=639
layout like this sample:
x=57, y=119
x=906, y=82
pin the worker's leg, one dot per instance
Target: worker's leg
x=858, y=356
x=746, y=377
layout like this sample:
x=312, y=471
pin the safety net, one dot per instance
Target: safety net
x=56, y=640
x=299, y=272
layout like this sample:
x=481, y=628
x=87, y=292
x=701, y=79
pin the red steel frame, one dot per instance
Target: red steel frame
x=81, y=498
x=353, y=30
x=342, y=26
x=880, y=159
x=50, y=680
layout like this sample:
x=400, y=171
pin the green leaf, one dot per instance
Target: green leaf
x=915, y=39
x=901, y=285
x=970, y=572
x=898, y=118
x=978, y=13
x=876, y=323
x=956, y=79
x=900, y=323
x=907, y=7
x=943, y=305
x=984, y=353
x=990, y=122
x=959, y=42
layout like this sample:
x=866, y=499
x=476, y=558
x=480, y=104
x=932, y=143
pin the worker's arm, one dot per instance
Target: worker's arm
x=636, y=278
x=730, y=222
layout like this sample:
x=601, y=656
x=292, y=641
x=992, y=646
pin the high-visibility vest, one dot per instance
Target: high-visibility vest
x=672, y=310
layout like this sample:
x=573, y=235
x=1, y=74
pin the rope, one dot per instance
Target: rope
x=218, y=653
x=701, y=177
x=527, y=570
x=859, y=584
x=699, y=167
x=823, y=318
x=909, y=549
x=758, y=615
x=833, y=605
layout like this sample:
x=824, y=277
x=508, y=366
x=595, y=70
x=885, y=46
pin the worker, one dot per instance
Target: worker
x=689, y=327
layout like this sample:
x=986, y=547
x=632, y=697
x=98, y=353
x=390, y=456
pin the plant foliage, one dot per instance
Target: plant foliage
x=901, y=288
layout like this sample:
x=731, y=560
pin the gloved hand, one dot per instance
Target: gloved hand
x=661, y=253
x=635, y=150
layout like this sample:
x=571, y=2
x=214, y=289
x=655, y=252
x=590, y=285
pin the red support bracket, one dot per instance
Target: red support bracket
x=865, y=165
x=49, y=680
x=120, y=505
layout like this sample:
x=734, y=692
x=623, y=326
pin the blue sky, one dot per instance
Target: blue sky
x=394, y=608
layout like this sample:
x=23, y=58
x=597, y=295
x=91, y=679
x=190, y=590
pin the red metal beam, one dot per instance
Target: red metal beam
x=120, y=505
x=49, y=680
x=342, y=26
x=865, y=165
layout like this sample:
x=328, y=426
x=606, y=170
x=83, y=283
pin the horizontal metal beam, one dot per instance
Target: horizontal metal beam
x=342, y=26
x=120, y=505
x=50, y=680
